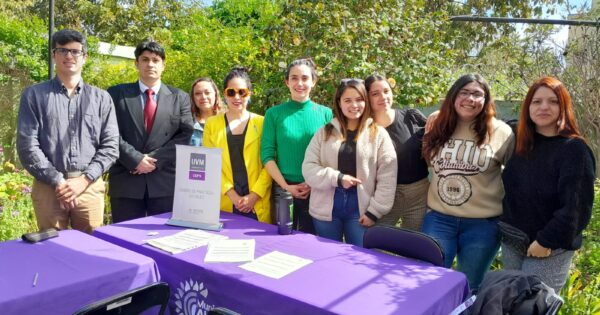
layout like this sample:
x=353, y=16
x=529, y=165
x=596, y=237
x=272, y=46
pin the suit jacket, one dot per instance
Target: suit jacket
x=259, y=181
x=172, y=125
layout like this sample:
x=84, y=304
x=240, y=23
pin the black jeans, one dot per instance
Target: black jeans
x=302, y=220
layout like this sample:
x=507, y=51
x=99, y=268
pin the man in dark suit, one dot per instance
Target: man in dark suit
x=152, y=118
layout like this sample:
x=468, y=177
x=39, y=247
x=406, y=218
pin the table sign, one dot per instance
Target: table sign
x=197, y=197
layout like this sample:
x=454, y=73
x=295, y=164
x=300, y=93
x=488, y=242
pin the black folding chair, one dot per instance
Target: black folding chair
x=134, y=301
x=403, y=242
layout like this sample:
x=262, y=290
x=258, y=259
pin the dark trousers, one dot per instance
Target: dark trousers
x=302, y=220
x=124, y=209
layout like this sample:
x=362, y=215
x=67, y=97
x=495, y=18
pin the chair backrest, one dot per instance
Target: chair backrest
x=407, y=243
x=131, y=302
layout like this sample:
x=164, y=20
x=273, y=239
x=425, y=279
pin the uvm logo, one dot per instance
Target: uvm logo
x=197, y=166
x=190, y=298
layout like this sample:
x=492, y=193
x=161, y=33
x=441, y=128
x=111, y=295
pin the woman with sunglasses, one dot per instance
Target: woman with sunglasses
x=288, y=130
x=206, y=102
x=405, y=127
x=245, y=184
x=467, y=147
x=351, y=166
x=549, y=184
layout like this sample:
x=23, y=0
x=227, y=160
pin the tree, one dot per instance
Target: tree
x=582, y=77
x=469, y=37
x=512, y=62
x=124, y=22
x=23, y=58
x=217, y=38
x=399, y=39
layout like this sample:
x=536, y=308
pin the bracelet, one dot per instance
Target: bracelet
x=339, y=179
x=371, y=216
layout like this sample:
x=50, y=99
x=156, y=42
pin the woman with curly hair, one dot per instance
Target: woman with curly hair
x=467, y=147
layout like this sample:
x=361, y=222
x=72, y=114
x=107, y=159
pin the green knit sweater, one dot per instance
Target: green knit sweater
x=287, y=131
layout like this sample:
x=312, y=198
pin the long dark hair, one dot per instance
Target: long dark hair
x=446, y=121
x=359, y=86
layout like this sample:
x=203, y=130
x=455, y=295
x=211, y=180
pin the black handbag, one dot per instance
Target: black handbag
x=514, y=237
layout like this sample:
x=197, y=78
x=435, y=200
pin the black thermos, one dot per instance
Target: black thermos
x=285, y=213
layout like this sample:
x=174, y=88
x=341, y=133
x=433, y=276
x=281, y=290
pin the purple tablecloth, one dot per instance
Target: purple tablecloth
x=74, y=269
x=343, y=279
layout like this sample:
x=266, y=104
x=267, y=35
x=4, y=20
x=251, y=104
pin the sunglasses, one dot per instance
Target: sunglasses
x=231, y=92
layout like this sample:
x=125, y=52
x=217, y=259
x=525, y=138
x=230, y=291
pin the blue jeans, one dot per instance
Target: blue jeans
x=344, y=223
x=475, y=242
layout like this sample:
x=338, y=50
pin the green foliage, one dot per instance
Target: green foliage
x=102, y=72
x=589, y=255
x=108, y=18
x=582, y=77
x=219, y=38
x=22, y=61
x=16, y=211
x=399, y=39
x=581, y=295
x=510, y=63
x=582, y=290
x=467, y=36
x=23, y=47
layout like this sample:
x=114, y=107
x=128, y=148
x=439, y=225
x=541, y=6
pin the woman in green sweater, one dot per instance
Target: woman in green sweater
x=287, y=131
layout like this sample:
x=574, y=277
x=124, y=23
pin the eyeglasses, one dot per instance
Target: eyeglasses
x=350, y=80
x=65, y=51
x=231, y=92
x=476, y=95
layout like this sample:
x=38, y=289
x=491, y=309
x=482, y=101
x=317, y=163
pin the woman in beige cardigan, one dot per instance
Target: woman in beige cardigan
x=350, y=164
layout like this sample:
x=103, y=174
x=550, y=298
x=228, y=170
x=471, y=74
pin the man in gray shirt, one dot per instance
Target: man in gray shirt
x=67, y=137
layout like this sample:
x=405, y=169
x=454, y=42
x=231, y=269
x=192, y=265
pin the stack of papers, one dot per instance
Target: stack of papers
x=184, y=240
x=230, y=251
x=276, y=264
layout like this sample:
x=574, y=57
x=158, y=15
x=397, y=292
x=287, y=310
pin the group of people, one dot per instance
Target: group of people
x=345, y=169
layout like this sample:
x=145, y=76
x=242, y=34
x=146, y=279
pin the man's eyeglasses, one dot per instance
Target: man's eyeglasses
x=351, y=80
x=65, y=51
x=231, y=92
x=476, y=95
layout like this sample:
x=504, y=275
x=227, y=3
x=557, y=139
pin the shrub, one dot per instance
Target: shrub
x=16, y=210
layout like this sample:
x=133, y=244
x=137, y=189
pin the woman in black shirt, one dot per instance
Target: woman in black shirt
x=406, y=127
x=549, y=185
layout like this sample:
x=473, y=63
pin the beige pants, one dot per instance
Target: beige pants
x=409, y=206
x=85, y=217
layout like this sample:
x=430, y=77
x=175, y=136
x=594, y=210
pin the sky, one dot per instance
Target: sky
x=563, y=30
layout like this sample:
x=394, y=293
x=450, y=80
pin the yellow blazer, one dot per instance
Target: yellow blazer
x=259, y=181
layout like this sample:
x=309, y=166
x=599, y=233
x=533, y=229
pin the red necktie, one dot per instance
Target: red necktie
x=149, y=110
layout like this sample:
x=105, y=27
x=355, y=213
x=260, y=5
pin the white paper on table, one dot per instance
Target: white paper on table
x=230, y=251
x=184, y=240
x=276, y=264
